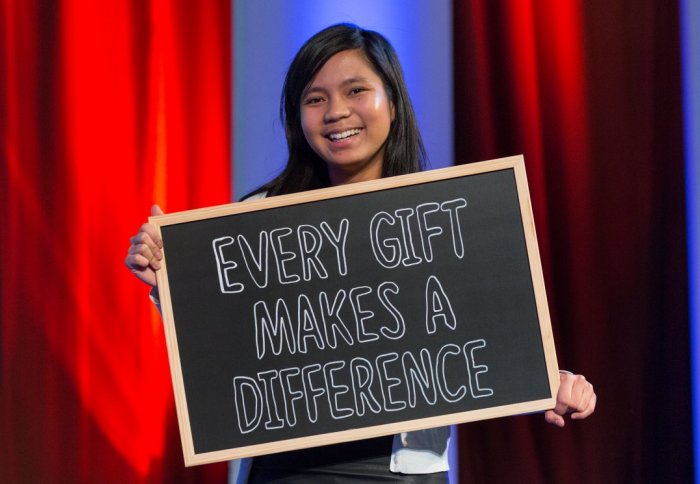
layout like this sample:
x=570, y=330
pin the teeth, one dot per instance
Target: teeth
x=344, y=134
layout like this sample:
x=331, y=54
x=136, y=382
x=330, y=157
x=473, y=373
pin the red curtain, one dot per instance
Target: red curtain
x=590, y=93
x=105, y=107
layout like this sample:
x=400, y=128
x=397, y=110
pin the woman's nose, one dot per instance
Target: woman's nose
x=337, y=108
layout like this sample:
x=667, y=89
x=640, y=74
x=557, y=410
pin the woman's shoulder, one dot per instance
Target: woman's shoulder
x=256, y=196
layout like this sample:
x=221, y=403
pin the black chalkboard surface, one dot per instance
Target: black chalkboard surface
x=351, y=312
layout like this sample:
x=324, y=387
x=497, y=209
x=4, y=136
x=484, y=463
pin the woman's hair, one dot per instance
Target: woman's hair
x=403, y=150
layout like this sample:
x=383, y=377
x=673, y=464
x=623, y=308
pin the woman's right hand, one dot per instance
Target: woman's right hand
x=145, y=252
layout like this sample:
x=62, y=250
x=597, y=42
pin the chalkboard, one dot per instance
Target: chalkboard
x=357, y=311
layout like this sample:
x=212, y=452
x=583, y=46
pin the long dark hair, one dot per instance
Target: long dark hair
x=403, y=152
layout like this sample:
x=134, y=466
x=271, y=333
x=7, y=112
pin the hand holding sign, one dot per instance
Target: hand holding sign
x=575, y=397
x=145, y=253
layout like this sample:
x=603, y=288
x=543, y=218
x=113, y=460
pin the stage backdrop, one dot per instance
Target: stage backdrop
x=109, y=106
x=590, y=93
x=105, y=107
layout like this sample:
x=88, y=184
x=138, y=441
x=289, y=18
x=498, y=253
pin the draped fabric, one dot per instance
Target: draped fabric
x=105, y=107
x=589, y=92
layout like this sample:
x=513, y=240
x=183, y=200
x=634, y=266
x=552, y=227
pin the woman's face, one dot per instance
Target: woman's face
x=346, y=115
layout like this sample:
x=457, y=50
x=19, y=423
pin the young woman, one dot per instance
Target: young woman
x=348, y=118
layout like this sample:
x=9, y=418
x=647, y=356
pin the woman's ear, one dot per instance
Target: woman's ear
x=393, y=112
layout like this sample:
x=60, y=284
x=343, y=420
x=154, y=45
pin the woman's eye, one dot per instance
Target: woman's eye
x=357, y=90
x=313, y=100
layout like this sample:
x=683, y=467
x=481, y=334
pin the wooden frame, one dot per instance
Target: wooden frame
x=516, y=164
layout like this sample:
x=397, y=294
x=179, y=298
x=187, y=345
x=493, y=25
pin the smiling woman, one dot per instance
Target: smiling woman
x=346, y=116
x=342, y=80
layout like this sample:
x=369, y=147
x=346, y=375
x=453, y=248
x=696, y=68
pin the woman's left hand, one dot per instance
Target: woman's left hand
x=575, y=397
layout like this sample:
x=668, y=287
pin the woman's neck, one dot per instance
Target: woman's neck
x=342, y=177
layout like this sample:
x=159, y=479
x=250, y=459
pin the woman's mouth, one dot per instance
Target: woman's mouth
x=343, y=134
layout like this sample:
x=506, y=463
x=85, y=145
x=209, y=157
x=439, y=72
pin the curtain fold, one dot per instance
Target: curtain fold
x=105, y=108
x=589, y=92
